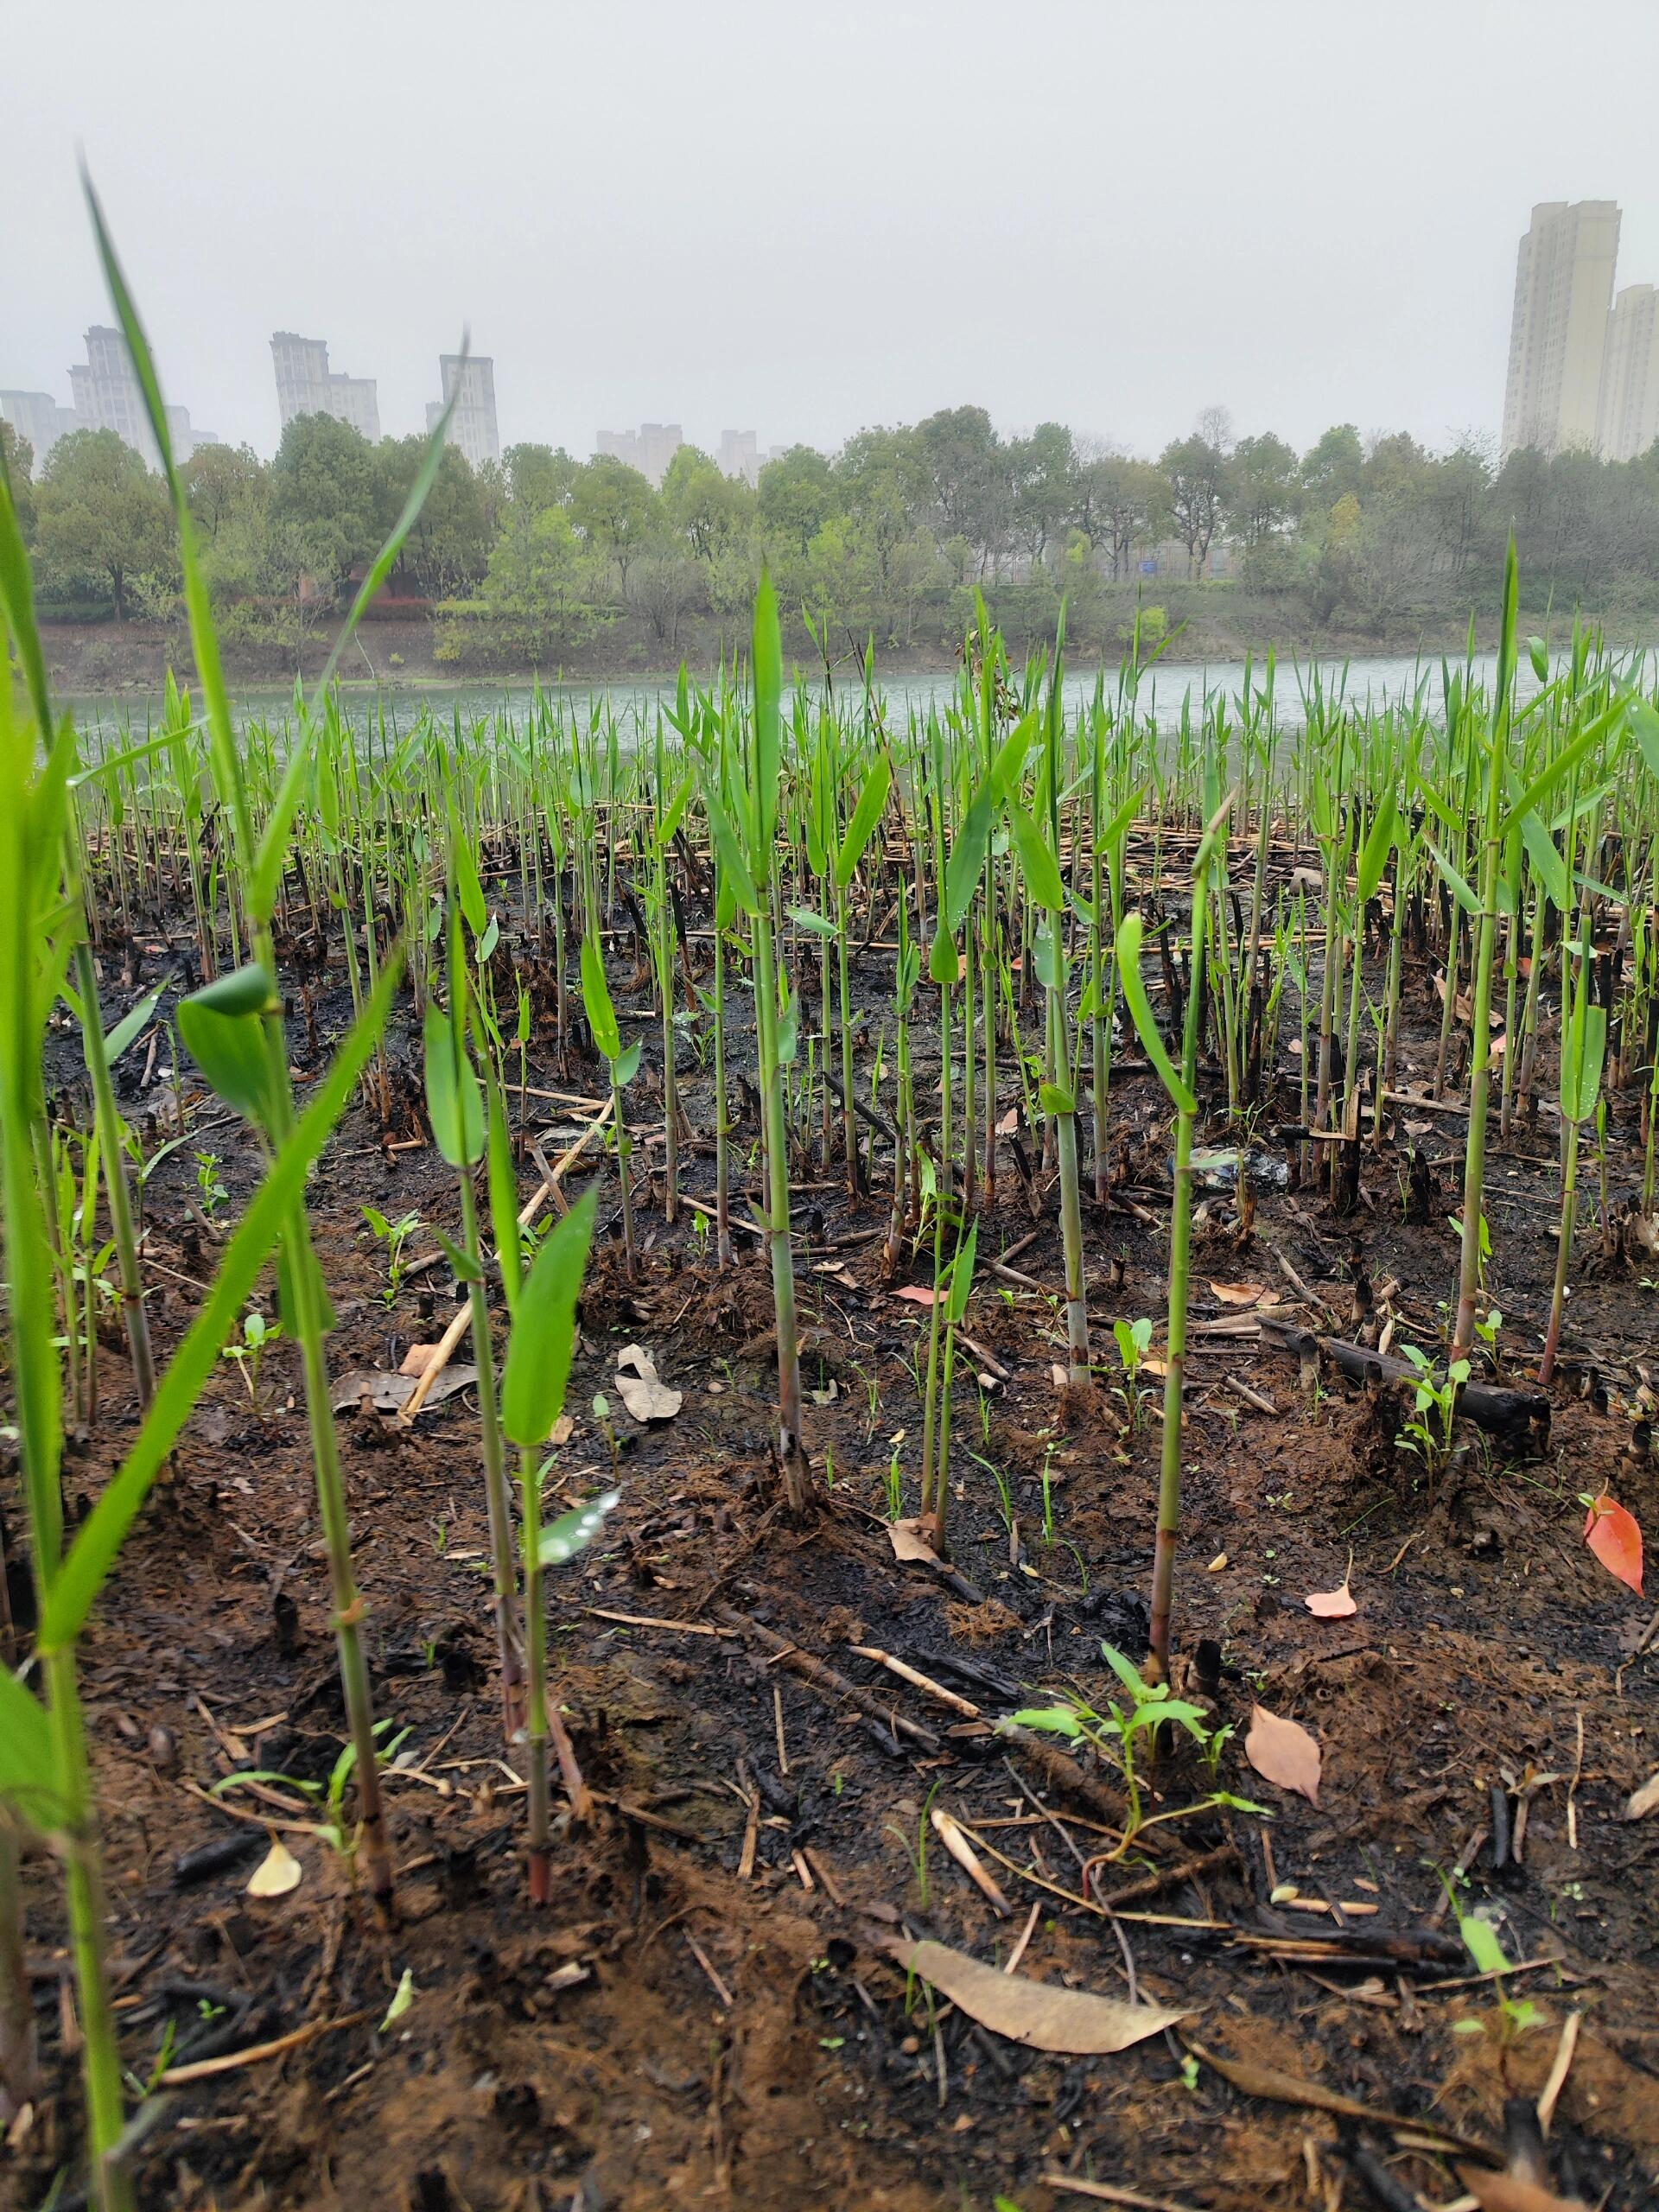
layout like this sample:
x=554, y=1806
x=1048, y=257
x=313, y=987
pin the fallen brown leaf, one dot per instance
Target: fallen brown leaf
x=387, y=1393
x=1040, y=2015
x=1239, y=1293
x=1331, y=1604
x=1509, y=2193
x=637, y=1386
x=1334, y=1605
x=909, y=1541
x=916, y=1294
x=1282, y=1751
x=1644, y=1800
x=277, y=1872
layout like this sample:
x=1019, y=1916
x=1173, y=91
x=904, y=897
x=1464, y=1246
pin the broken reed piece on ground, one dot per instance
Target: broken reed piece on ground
x=1280, y=2087
x=1059, y=1770
x=435, y=1365
x=956, y=1843
x=1494, y=1406
x=1102, y=2192
x=824, y=1678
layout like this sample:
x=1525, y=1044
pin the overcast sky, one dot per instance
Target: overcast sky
x=755, y=212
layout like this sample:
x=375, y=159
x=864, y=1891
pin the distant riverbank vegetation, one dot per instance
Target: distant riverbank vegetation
x=545, y=563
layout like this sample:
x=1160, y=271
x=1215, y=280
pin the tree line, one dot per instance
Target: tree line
x=530, y=562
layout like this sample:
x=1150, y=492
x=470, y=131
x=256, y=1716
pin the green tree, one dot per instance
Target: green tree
x=707, y=508
x=1337, y=576
x=616, y=510
x=1194, y=470
x=539, y=477
x=882, y=476
x=665, y=585
x=448, y=547
x=101, y=514
x=1264, y=488
x=1459, y=501
x=1042, y=475
x=966, y=476
x=1333, y=467
x=1121, y=503
x=537, y=599
x=226, y=484
x=1081, y=586
x=796, y=497
x=228, y=491
x=18, y=458
x=263, y=574
x=881, y=483
x=324, y=479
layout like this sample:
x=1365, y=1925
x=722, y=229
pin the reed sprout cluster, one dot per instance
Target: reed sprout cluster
x=959, y=959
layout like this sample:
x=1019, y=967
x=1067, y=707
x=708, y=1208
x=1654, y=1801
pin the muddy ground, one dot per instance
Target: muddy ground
x=710, y=2011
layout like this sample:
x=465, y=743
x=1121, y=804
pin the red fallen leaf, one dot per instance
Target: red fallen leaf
x=1614, y=1535
x=1282, y=1751
x=1009, y=1122
x=917, y=1294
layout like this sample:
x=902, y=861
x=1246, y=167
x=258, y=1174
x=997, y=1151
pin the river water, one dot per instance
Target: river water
x=1168, y=691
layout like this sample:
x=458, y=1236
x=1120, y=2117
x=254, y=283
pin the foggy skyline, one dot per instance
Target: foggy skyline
x=736, y=217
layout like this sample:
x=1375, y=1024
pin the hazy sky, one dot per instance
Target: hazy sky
x=751, y=213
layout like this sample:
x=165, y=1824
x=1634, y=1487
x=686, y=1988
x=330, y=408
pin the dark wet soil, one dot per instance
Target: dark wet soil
x=708, y=2012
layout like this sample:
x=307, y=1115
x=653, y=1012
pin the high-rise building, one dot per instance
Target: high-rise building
x=306, y=385
x=739, y=455
x=469, y=380
x=1558, y=337
x=1629, y=376
x=658, y=443
x=108, y=396
x=106, y=392
x=37, y=418
x=649, y=448
x=184, y=435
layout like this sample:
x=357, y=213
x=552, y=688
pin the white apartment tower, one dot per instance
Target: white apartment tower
x=306, y=385
x=1629, y=376
x=739, y=455
x=106, y=396
x=37, y=418
x=649, y=448
x=1558, y=337
x=106, y=389
x=469, y=380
